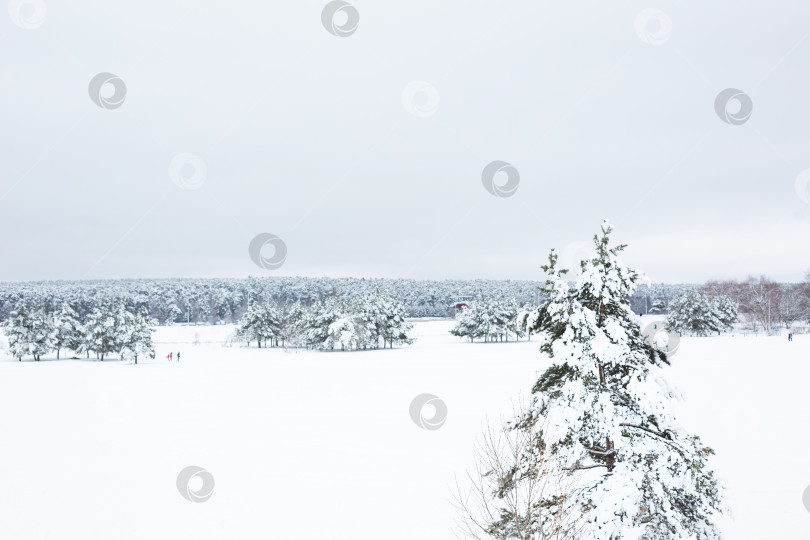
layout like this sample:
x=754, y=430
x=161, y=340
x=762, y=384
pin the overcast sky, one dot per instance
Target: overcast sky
x=364, y=153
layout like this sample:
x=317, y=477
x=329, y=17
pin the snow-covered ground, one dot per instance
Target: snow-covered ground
x=321, y=445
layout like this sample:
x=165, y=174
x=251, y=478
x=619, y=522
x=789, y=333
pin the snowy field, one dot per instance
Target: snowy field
x=313, y=445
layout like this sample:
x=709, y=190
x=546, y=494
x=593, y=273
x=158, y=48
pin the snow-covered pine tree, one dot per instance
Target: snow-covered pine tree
x=394, y=328
x=291, y=325
x=67, y=329
x=725, y=312
x=123, y=328
x=527, y=320
x=319, y=318
x=467, y=323
x=138, y=336
x=605, y=403
x=29, y=330
x=249, y=325
x=260, y=323
x=366, y=318
x=101, y=330
x=343, y=333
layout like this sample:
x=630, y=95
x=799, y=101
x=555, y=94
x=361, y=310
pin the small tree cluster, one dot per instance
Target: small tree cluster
x=701, y=315
x=32, y=331
x=492, y=320
x=278, y=324
x=366, y=321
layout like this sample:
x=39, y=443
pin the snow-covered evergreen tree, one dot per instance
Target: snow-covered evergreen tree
x=260, y=323
x=468, y=322
x=30, y=331
x=102, y=330
x=137, y=336
x=527, y=320
x=318, y=320
x=725, y=312
x=345, y=334
x=606, y=415
x=67, y=329
x=393, y=326
x=291, y=325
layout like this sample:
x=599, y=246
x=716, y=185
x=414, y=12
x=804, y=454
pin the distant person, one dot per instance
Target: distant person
x=169, y=357
x=178, y=356
x=790, y=336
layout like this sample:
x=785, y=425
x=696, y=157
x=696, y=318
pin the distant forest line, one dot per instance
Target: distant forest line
x=225, y=300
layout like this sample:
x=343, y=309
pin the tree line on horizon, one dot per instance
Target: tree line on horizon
x=226, y=300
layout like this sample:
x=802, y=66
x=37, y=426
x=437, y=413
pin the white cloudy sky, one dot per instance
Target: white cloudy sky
x=305, y=135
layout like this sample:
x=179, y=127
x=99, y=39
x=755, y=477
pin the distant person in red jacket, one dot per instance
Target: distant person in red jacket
x=169, y=357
